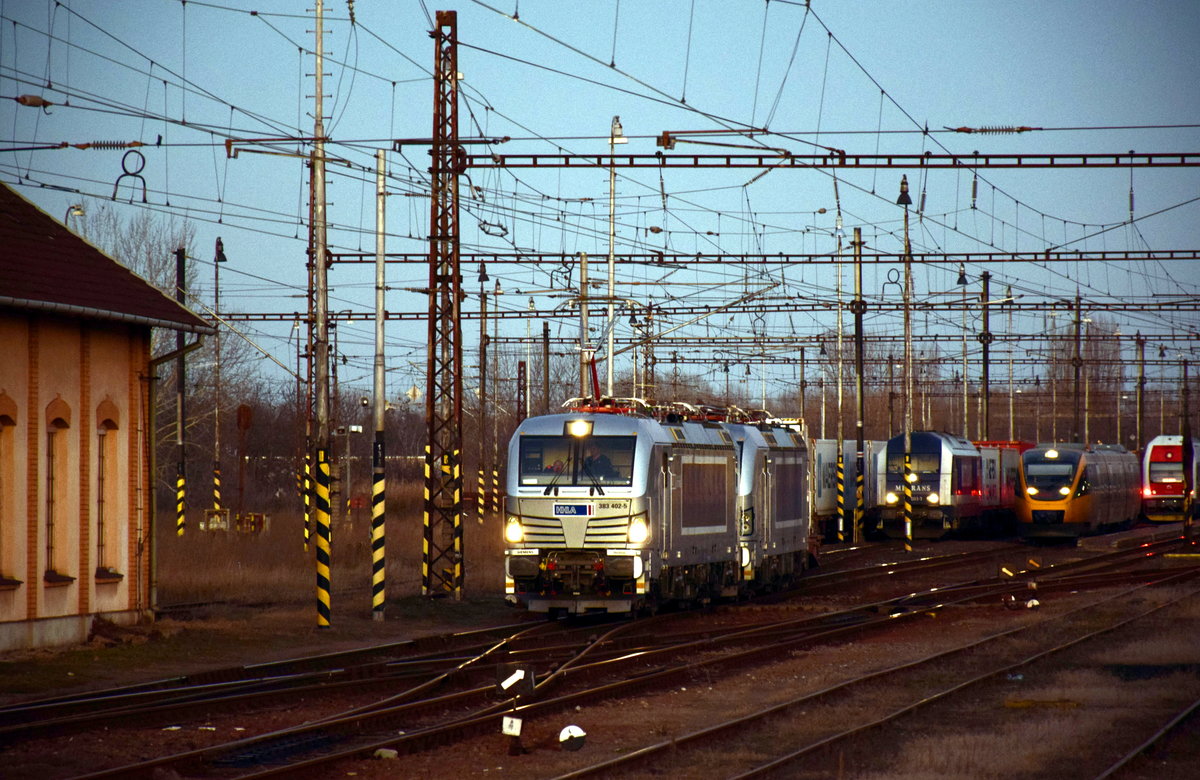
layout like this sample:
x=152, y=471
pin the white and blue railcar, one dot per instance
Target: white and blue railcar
x=946, y=485
x=616, y=512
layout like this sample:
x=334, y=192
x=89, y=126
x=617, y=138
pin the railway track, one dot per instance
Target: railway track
x=409, y=667
x=922, y=683
x=442, y=696
x=1137, y=762
x=252, y=684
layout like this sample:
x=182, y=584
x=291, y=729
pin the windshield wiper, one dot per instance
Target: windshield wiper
x=553, y=486
x=595, y=488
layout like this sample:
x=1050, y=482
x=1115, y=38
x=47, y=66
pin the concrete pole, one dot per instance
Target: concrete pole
x=906, y=201
x=378, y=461
x=859, y=308
x=321, y=339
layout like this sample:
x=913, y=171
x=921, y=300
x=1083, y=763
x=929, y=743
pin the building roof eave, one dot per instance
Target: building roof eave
x=88, y=312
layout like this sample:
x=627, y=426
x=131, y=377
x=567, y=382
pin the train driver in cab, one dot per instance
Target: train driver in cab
x=597, y=464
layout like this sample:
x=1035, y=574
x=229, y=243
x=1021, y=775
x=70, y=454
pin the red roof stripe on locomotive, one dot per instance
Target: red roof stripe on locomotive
x=1166, y=453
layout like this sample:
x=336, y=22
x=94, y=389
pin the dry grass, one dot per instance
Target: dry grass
x=274, y=566
x=1077, y=707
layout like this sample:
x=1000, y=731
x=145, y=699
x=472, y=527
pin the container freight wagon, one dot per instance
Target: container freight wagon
x=823, y=455
x=1164, y=484
x=1000, y=464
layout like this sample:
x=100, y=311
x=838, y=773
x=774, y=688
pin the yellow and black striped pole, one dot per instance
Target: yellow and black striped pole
x=427, y=534
x=322, y=522
x=180, y=493
x=495, y=437
x=442, y=551
x=858, y=502
x=306, y=494
x=458, y=526
x=495, y=487
x=908, y=513
x=217, y=486
x=841, y=496
x=378, y=560
x=481, y=498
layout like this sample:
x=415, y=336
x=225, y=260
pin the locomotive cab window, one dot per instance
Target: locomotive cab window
x=922, y=462
x=567, y=461
x=1166, y=472
x=1049, y=478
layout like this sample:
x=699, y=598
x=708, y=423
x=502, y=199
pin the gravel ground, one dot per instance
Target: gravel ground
x=225, y=636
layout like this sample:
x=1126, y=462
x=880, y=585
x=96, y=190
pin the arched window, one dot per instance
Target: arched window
x=106, y=490
x=8, y=487
x=58, y=482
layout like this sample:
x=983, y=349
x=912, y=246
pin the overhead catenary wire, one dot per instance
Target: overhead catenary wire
x=758, y=227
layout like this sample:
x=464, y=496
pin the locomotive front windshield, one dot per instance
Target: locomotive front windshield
x=567, y=461
x=927, y=463
x=1166, y=472
x=1049, y=474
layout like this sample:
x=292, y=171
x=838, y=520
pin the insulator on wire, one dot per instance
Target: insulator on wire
x=993, y=129
x=974, y=188
x=109, y=145
x=33, y=101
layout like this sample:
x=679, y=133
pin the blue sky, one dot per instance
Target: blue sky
x=1100, y=77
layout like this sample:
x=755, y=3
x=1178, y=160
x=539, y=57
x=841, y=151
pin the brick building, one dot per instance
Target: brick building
x=75, y=482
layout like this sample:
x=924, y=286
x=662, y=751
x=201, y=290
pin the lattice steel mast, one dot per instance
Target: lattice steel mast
x=442, y=555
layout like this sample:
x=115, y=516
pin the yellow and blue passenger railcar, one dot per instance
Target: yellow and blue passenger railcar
x=1069, y=490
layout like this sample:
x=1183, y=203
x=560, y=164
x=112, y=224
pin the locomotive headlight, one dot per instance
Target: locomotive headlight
x=910, y=477
x=513, y=532
x=579, y=428
x=891, y=498
x=638, y=532
x=933, y=498
x=1031, y=490
x=1065, y=490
